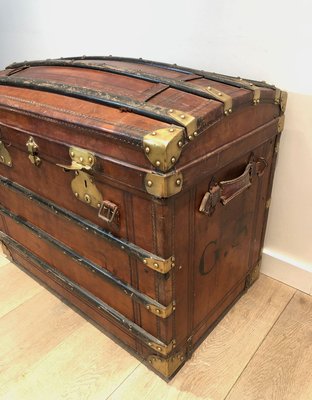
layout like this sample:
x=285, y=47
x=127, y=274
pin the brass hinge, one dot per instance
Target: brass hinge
x=280, y=123
x=161, y=348
x=81, y=159
x=166, y=366
x=223, y=97
x=163, y=186
x=33, y=150
x=160, y=265
x=163, y=147
x=188, y=121
x=5, y=157
x=161, y=311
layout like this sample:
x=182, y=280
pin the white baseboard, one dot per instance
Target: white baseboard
x=287, y=271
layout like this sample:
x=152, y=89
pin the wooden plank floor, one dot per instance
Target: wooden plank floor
x=261, y=350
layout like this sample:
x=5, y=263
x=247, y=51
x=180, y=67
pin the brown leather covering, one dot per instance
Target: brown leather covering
x=214, y=227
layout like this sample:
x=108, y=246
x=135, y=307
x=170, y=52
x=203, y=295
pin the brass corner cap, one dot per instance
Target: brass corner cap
x=159, y=264
x=160, y=310
x=162, y=348
x=283, y=100
x=167, y=366
x=163, y=147
x=163, y=186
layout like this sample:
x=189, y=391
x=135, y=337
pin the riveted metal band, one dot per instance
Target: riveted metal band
x=186, y=120
x=163, y=147
x=162, y=312
x=167, y=366
x=221, y=96
x=163, y=186
x=160, y=265
x=163, y=349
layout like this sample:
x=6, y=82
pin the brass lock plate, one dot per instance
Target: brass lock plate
x=5, y=157
x=85, y=190
x=33, y=150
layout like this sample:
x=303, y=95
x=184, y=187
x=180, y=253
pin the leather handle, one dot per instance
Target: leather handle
x=226, y=191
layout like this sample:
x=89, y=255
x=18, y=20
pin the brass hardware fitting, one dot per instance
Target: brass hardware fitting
x=277, y=96
x=163, y=349
x=283, y=101
x=85, y=190
x=33, y=150
x=280, y=123
x=5, y=157
x=81, y=159
x=163, y=147
x=250, y=86
x=162, y=312
x=268, y=203
x=166, y=366
x=188, y=121
x=223, y=97
x=163, y=186
x=160, y=265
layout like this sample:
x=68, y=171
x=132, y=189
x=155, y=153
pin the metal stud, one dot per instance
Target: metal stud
x=149, y=183
x=191, y=137
x=72, y=154
x=230, y=110
x=2, y=159
x=182, y=116
x=148, y=307
x=90, y=159
x=76, y=194
x=157, y=163
x=178, y=182
x=157, y=311
x=209, y=87
x=195, y=133
x=219, y=94
x=180, y=143
x=145, y=261
x=156, y=265
x=81, y=159
x=154, y=133
x=99, y=205
x=171, y=130
x=173, y=160
x=147, y=150
x=171, y=110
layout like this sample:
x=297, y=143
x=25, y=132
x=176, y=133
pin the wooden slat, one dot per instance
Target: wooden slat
x=86, y=365
x=15, y=287
x=221, y=358
x=29, y=332
x=281, y=368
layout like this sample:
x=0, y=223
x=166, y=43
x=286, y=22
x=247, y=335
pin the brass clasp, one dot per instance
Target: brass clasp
x=33, y=150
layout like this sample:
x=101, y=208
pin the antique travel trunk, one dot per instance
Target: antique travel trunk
x=138, y=191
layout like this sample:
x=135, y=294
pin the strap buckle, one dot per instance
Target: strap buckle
x=108, y=211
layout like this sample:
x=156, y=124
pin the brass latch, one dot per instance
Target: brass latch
x=83, y=185
x=5, y=157
x=33, y=150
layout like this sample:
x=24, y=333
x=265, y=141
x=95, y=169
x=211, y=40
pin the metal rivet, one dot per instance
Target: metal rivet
x=181, y=358
x=147, y=150
x=209, y=87
x=72, y=154
x=219, y=94
x=0, y=142
x=98, y=205
x=191, y=137
x=149, y=183
x=2, y=158
x=154, y=133
x=180, y=267
x=195, y=133
x=149, y=343
x=251, y=84
x=173, y=259
x=157, y=311
x=87, y=198
x=225, y=112
x=145, y=261
x=80, y=159
x=156, y=265
x=230, y=110
x=150, y=361
x=148, y=307
x=171, y=110
x=180, y=143
x=258, y=101
x=173, y=308
x=171, y=130
x=158, y=348
x=178, y=182
x=90, y=159
x=157, y=163
x=76, y=194
x=172, y=265
x=173, y=345
x=182, y=116
x=173, y=160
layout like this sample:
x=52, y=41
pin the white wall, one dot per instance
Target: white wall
x=268, y=39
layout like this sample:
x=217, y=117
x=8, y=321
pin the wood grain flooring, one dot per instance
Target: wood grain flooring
x=261, y=350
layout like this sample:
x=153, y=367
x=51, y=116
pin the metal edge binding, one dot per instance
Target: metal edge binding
x=148, y=339
x=147, y=258
x=5, y=157
x=167, y=366
x=283, y=100
x=150, y=304
x=209, y=92
x=163, y=147
x=163, y=186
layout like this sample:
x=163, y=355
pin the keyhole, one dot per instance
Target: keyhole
x=86, y=184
